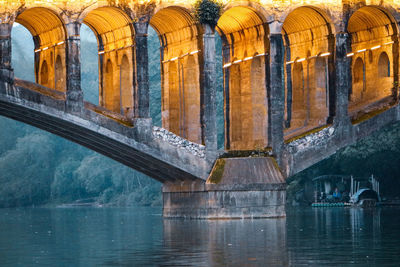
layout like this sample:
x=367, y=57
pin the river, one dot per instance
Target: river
x=141, y=237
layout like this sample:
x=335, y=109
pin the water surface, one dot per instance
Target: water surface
x=140, y=237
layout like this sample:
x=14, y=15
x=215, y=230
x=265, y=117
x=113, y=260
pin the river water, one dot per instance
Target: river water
x=141, y=237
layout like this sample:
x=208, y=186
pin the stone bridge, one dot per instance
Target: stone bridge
x=301, y=80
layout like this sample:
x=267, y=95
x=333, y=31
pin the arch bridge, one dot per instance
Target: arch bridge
x=301, y=80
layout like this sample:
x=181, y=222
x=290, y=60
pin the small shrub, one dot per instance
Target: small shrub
x=208, y=11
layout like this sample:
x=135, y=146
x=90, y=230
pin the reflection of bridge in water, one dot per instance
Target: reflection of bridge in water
x=300, y=82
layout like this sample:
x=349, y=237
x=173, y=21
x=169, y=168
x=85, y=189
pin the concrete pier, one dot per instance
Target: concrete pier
x=237, y=188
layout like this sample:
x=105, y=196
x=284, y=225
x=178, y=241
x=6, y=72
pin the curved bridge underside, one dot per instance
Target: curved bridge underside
x=104, y=132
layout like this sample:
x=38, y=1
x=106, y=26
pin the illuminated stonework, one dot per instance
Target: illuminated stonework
x=302, y=78
x=309, y=31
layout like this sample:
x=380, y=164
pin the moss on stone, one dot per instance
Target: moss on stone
x=217, y=172
x=315, y=130
x=369, y=115
x=264, y=152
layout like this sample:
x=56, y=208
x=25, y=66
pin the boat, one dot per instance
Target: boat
x=348, y=191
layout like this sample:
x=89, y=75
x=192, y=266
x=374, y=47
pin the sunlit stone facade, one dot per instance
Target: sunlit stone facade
x=307, y=32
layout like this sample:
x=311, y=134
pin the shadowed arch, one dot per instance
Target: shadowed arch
x=44, y=74
x=309, y=48
x=59, y=74
x=126, y=85
x=245, y=40
x=49, y=38
x=109, y=93
x=373, y=32
x=116, y=38
x=383, y=65
x=180, y=41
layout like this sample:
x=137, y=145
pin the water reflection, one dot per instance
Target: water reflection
x=230, y=242
x=140, y=237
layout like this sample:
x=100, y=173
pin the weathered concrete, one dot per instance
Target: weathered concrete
x=141, y=97
x=236, y=188
x=208, y=93
x=74, y=99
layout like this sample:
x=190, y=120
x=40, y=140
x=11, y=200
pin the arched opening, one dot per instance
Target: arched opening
x=383, y=66
x=44, y=74
x=358, y=71
x=115, y=40
x=191, y=110
x=154, y=57
x=245, y=47
x=49, y=39
x=59, y=74
x=309, y=49
x=319, y=98
x=180, y=71
x=358, y=79
x=110, y=95
x=374, y=42
x=299, y=107
x=235, y=101
x=259, y=101
x=89, y=66
x=126, y=86
x=173, y=98
x=22, y=57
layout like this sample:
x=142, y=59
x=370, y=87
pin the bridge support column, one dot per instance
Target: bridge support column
x=74, y=95
x=208, y=92
x=142, y=106
x=343, y=79
x=276, y=94
x=6, y=71
x=142, y=121
x=237, y=188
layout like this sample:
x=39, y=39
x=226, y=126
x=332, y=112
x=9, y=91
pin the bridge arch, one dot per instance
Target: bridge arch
x=373, y=33
x=49, y=37
x=244, y=33
x=180, y=45
x=115, y=38
x=309, y=40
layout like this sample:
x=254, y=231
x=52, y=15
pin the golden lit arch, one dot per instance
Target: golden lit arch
x=308, y=34
x=373, y=31
x=44, y=25
x=112, y=26
x=180, y=39
x=244, y=32
x=116, y=38
x=49, y=37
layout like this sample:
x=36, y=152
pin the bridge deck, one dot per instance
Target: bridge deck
x=105, y=133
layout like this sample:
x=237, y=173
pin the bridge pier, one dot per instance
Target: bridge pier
x=6, y=71
x=74, y=94
x=237, y=188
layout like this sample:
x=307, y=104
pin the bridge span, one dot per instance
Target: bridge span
x=302, y=79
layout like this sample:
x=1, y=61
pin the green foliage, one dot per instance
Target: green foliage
x=208, y=11
x=377, y=154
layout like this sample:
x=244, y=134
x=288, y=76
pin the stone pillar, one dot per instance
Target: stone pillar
x=74, y=97
x=208, y=91
x=141, y=96
x=276, y=94
x=6, y=71
x=342, y=78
